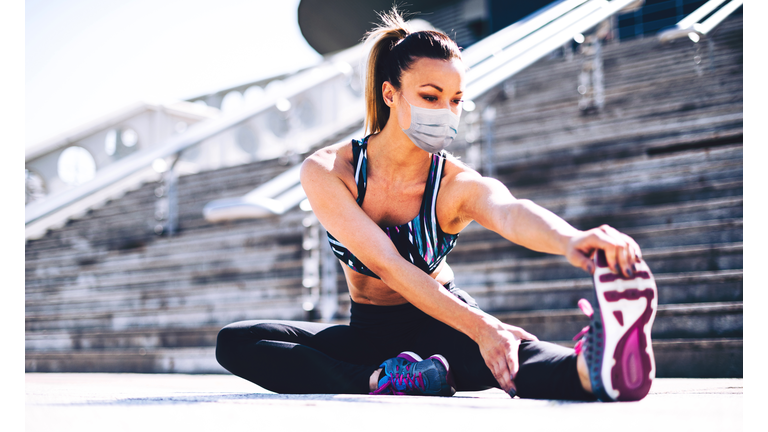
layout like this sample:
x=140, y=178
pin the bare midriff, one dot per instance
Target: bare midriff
x=367, y=290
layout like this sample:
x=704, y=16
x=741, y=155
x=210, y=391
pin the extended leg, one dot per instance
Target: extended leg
x=547, y=370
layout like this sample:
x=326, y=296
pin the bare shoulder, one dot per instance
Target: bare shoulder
x=332, y=160
x=459, y=176
x=467, y=194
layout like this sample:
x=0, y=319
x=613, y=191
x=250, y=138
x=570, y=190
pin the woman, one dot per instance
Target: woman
x=393, y=204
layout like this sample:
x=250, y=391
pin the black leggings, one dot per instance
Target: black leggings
x=305, y=357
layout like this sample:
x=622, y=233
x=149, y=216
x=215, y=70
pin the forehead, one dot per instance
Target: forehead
x=447, y=74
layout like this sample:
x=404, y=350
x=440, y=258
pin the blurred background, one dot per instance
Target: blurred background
x=163, y=141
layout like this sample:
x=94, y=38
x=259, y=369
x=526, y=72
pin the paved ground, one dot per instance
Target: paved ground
x=133, y=402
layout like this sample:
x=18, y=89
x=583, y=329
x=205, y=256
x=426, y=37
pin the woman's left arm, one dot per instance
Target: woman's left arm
x=521, y=221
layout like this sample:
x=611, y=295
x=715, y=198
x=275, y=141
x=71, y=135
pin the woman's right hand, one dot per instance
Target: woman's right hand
x=498, y=344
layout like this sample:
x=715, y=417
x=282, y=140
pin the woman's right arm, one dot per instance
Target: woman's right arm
x=336, y=208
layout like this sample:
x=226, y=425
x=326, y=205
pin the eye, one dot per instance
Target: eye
x=430, y=98
x=458, y=101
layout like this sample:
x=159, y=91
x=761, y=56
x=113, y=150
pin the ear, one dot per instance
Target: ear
x=388, y=92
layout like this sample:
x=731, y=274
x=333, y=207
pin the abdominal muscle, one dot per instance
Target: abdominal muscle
x=367, y=290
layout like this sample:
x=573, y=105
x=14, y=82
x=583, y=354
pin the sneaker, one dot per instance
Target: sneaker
x=408, y=374
x=617, y=342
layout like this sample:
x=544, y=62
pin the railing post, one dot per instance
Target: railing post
x=591, y=87
x=568, y=51
x=489, y=117
x=167, y=204
x=597, y=74
x=310, y=279
x=329, y=297
x=173, y=198
x=697, y=59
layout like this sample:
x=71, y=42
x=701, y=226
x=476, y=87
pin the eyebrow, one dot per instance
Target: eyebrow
x=438, y=88
x=432, y=85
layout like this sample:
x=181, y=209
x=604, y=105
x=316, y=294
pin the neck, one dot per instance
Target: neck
x=392, y=154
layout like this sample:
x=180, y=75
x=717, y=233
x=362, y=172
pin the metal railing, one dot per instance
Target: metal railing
x=195, y=134
x=701, y=21
x=274, y=197
x=491, y=61
x=537, y=38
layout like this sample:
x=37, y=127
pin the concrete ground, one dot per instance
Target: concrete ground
x=176, y=402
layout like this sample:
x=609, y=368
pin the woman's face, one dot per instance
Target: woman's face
x=429, y=83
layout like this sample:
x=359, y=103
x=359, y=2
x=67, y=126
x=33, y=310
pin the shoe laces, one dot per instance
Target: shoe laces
x=406, y=376
x=401, y=380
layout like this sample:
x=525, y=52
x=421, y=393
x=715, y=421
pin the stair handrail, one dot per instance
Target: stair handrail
x=533, y=47
x=522, y=44
x=496, y=42
x=195, y=134
x=275, y=197
x=695, y=26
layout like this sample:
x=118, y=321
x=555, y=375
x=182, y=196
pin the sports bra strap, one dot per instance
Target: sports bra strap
x=360, y=158
x=420, y=241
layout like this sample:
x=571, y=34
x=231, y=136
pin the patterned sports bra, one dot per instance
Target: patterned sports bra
x=420, y=241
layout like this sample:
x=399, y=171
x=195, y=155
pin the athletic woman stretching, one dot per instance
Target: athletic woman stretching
x=393, y=203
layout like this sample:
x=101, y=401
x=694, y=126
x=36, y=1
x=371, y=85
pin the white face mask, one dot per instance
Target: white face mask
x=432, y=130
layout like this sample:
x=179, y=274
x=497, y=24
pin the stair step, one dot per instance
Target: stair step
x=696, y=358
x=699, y=320
x=716, y=286
x=481, y=246
x=652, y=215
x=684, y=259
x=663, y=162
x=101, y=340
x=564, y=168
x=675, y=358
x=186, y=317
x=177, y=360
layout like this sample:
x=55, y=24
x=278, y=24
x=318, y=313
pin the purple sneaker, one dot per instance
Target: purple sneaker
x=408, y=374
x=617, y=342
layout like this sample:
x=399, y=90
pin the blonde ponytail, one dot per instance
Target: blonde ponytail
x=392, y=30
x=394, y=50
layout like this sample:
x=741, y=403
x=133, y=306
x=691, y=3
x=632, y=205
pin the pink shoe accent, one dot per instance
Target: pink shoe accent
x=410, y=356
x=588, y=311
x=619, y=317
x=625, y=367
x=586, y=307
x=579, y=346
x=629, y=374
x=610, y=277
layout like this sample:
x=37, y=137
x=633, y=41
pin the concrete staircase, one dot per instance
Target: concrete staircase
x=662, y=162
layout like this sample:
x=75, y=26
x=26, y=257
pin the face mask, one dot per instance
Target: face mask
x=432, y=130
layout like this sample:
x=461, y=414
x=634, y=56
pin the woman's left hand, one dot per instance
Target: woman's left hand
x=621, y=251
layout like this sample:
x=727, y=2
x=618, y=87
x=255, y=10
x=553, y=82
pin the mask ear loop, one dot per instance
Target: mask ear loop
x=410, y=110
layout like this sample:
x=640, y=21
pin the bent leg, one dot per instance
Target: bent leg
x=298, y=357
x=463, y=355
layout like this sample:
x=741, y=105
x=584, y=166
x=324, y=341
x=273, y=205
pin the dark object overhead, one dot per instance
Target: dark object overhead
x=333, y=25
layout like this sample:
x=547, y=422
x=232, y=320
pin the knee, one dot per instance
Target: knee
x=233, y=339
x=225, y=345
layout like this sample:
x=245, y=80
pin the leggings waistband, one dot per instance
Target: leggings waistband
x=367, y=314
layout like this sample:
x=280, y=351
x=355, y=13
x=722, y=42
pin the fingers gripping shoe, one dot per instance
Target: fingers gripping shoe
x=408, y=374
x=617, y=342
